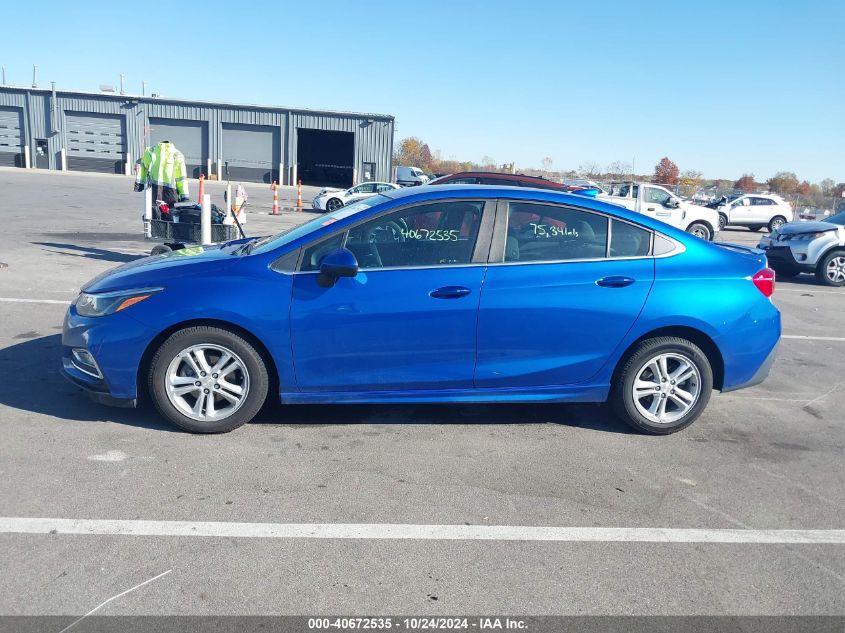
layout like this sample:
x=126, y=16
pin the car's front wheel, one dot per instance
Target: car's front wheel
x=831, y=269
x=334, y=204
x=700, y=230
x=723, y=221
x=207, y=380
x=776, y=222
x=663, y=386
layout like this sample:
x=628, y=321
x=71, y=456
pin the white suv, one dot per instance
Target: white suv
x=756, y=210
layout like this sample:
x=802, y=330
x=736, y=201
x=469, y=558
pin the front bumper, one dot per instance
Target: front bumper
x=785, y=257
x=117, y=343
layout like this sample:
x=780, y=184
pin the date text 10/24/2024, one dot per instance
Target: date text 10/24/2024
x=417, y=624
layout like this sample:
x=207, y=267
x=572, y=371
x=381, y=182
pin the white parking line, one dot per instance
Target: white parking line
x=390, y=531
x=802, y=337
x=16, y=300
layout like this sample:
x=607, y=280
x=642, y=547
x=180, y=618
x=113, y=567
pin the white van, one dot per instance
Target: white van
x=410, y=176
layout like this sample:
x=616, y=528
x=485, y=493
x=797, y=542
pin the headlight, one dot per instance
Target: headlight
x=101, y=304
x=806, y=237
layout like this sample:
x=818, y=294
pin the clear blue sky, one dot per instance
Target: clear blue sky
x=722, y=87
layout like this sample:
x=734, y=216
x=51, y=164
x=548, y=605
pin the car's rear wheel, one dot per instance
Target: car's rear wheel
x=776, y=222
x=160, y=249
x=831, y=269
x=207, y=380
x=663, y=386
x=701, y=230
x=334, y=204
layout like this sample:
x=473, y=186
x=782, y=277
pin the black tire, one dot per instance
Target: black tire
x=160, y=249
x=622, y=391
x=723, y=221
x=758, y=228
x=183, y=339
x=776, y=222
x=822, y=272
x=701, y=230
x=333, y=204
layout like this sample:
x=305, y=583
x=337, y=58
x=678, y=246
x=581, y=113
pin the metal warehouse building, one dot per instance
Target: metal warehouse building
x=107, y=133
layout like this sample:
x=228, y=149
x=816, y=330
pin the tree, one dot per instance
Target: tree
x=803, y=189
x=547, y=163
x=413, y=152
x=619, y=169
x=827, y=186
x=746, y=183
x=690, y=181
x=589, y=170
x=783, y=182
x=666, y=172
x=488, y=162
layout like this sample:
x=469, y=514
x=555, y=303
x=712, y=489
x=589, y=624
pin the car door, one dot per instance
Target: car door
x=558, y=301
x=655, y=203
x=407, y=321
x=761, y=210
x=741, y=211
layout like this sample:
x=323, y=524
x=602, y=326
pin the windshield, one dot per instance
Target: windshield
x=839, y=218
x=287, y=236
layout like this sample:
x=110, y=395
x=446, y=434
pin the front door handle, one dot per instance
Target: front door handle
x=616, y=281
x=449, y=292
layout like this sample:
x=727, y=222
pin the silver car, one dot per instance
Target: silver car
x=809, y=247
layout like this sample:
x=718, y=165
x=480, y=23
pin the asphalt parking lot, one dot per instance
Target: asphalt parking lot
x=767, y=458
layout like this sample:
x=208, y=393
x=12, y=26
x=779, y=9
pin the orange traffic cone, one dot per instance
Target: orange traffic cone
x=299, y=196
x=275, y=199
x=202, y=187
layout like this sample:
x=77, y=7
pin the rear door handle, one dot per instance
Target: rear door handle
x=615, y=282
x=450, y=292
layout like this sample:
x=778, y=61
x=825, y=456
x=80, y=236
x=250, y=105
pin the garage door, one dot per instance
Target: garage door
x=252, y=152
x=325, y=158
x=189, y=137
x=95, y=142
x=11, y=142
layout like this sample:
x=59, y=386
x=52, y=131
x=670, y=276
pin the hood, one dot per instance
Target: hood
x=157, y=269
x=794, y=228
x=326, y=190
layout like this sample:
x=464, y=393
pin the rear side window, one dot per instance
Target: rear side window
x=539, y=232
x=462, y=181
x=627, y=240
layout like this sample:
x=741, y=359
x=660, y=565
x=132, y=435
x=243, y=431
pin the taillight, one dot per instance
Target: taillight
x=765, y=281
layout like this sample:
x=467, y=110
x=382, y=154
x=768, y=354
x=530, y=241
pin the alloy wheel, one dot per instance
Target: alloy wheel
x=836, y=269
x=333, y=205
x=666, y=388
x=207, y=382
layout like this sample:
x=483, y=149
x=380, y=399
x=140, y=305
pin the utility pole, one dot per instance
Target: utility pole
x=34, y=76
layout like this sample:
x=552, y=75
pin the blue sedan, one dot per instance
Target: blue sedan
x=433, y=294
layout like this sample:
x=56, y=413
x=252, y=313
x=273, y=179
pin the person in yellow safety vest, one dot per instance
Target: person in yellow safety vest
x=162, y=167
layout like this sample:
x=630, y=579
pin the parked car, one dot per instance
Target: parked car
x=511, y=180
x=585, y=183
x=410, y=176
x=809, y=247
x=660, y=203
x=756, y=211
x=433, y=294
x=329, y=199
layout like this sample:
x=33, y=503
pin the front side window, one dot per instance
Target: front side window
x=538, y=232
x=314, y=253
x=433, y=234
x=367, y=187
x=656, y=196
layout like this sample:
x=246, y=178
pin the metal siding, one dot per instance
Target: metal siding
x=373, y=143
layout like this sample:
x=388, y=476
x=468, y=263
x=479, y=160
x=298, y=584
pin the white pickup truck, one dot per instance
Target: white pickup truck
x=660, y=203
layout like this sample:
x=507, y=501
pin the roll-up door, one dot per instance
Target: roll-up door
x=189, y=137
x=252, y=152
x=95, y=142
x=11, y=139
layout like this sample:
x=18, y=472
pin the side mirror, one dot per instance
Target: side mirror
x=673, y=203
x=335, y=264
